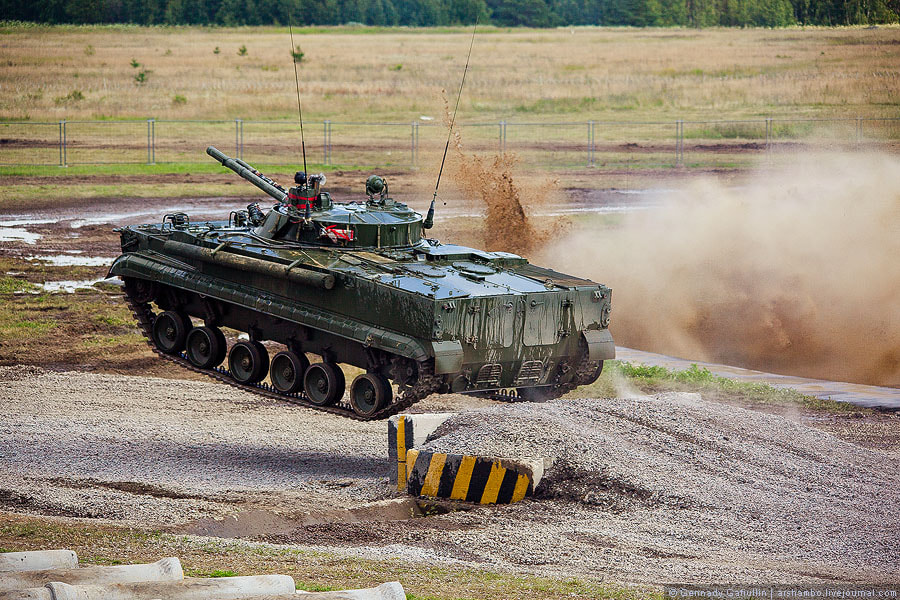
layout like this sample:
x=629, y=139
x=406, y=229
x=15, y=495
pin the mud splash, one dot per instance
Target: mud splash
x=797, y=272
x=491, y=182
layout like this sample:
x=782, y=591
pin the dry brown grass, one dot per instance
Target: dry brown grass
x=350, y=74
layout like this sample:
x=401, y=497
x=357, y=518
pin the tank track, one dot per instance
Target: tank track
x=425, y=385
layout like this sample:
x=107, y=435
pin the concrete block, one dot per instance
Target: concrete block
x=406, y=432
x=220, y=588
x=37, y=560
x=386, y=591
x=485, y=480
x=167, y=569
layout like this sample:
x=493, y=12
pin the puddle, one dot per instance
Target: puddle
x=261, y=523
x=14, y=234
x=21, y=222
x=151, y=215
x=14, y=230
x=71, y=260
x=69, y=287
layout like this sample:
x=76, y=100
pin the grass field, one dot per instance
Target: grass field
x=352, y=74
x=385, y=94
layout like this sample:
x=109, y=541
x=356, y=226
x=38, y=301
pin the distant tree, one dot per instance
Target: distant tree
x=533, y=13
x=464, y=12
x=529, y=13
x=84, y=11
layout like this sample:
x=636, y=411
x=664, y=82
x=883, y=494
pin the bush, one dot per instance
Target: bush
x=73, y=96
x=242, y=51
x=297, y=55
x=179, y=99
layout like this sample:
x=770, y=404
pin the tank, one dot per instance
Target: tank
x=356, y=283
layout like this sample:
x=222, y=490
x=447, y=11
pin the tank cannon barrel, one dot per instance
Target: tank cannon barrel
x=247, y=172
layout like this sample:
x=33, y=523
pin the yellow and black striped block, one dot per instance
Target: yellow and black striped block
x=404, y=432
x=468, y=478
x=400, y=440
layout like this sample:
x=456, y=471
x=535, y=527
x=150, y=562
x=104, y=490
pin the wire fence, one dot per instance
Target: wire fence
x=600, y=144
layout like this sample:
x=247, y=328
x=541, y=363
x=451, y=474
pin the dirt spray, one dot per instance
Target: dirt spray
x=796, y=272
x=492, y=182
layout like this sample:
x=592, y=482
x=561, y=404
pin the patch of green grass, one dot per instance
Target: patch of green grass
x=315, y=587
x=727, y=131
x=222, y=573
x=10, y=285
x=113, y=320
x=103, y=560
x=655, y=379
x=18, y=328
x=559, y=105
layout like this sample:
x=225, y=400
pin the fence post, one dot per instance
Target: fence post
x=414, y=144
x=65, y=144
x=149, y=127
x=768, y=134
x=679, y=143
x=326, y=129
x=590, y=143
x=153, y=140
x=858, y=133
x=241, y=153
x=60, y=143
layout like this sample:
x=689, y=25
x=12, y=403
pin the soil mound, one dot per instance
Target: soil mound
x=699, y=474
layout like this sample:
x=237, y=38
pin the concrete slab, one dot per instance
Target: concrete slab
x=221, y=588
x=37, y=560
x=167, y=569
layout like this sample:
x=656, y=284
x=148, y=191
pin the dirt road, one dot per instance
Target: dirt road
x=645, y=489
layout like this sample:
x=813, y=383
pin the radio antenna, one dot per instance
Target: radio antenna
x=429, y=219
x=297, y=80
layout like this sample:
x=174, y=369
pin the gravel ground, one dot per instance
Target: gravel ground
x=667, y=484
x=646, y=489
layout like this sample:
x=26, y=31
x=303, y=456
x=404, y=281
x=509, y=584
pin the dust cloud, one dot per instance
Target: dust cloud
x=796, y=272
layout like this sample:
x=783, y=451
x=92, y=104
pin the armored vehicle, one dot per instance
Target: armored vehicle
x=356, y=283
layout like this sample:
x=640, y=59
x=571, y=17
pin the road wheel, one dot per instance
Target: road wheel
x=205, y=349
x=370, y=393
x=287, y=371
x=141, y=290
x=324, y=383
x=223, y=345
x=170, y=331
x=248, y=362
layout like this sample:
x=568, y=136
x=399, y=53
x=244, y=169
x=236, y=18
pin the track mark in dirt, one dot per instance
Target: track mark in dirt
x=12, y=500
x=130, y=487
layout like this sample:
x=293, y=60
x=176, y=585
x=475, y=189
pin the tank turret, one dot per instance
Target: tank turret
x=375, y=222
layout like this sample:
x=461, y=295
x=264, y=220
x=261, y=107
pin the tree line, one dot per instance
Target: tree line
x=504, y=13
